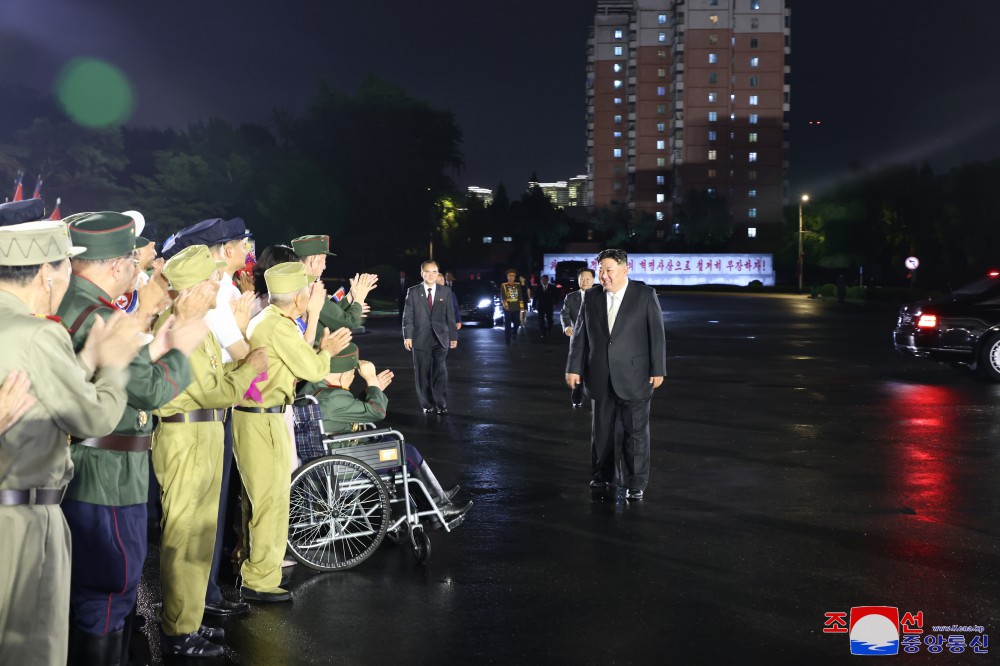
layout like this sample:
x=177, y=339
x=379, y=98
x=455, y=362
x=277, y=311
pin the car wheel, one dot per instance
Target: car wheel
x=989, y=358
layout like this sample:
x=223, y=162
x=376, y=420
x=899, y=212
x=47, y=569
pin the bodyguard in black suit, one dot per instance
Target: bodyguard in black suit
x=619, y=350
x=568, y=314
x=545, y=302
x=429, y=331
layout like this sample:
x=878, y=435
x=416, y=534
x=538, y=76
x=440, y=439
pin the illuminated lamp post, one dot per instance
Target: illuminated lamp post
x=802, y=260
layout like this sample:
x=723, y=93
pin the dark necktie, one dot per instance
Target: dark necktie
x=430, y=299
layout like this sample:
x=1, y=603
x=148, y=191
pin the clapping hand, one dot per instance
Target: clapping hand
x=361, y=284
x=335, y=342
x=241, y=309
x=15, y=400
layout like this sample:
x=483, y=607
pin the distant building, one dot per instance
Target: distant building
x=564, y=193
x=481, y=193
x=689, y=95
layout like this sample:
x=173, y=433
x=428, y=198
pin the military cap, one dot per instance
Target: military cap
x=105, y=235
x=141, y=242
x=140, y=220
x=230, y=230
x=33, y=243
x=510, y=271
x=18, y=212
x=307, y=246
x=190, y=266
x=214, y=231
x=346, y=360
x=286, y=278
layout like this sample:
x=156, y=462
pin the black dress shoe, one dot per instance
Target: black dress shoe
x=224, y=607
x=269, y=596
x=598, y=485
x=634, y=495
x=442, y=410
x=427, y=410
x=452, y=510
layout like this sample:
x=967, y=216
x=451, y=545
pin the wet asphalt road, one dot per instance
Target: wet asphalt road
x=799, y=467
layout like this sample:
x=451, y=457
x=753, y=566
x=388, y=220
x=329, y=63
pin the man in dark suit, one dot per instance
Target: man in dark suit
x=429, y=331
x=568, y=314
x=545, y=302
x=618, y=349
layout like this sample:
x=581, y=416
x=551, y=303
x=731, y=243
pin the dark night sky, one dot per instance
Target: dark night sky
x=892, y=80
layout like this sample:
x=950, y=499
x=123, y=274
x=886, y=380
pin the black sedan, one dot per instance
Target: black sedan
x=478, y=301
x=962, y=327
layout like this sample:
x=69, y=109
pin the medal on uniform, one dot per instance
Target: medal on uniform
x=142, y=418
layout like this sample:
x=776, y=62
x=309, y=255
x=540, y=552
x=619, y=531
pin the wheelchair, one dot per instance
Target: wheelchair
x=345, y=501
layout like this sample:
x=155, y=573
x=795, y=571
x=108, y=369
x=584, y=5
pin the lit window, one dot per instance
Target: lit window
x=661, y=37
x=617, y=67
x=661, y=161
x=713, y=58
x=751, y=232
x=660, y=127
x=618, y=84
x=713, y=78
x=661, y=91
x=711, y=173
x=754, y=4
x=754, y=81
x=617, y=152
x=754, y=42
x=618, y=34
x=713, y=19
x=618, y=135
x=619, y=50
x=751, y=175
x=487, y=239
x=661, y=73
x=660, y=197
x=661, y=54
x=711, y=191
x=753, y=118
x=752, y=194
x=677, y=227
x=659, y=216
x=713, y=135
x=752, y=213
x=753, y=157
x=712, y=155
x=661, y=180
x=618, y=100
x=618, y=119
x=753, y=100
x=661, y=144
x=712, y=97
x=661, y=109
x=508, y=239
x=713, y=116
x=732, y=118
x=755, y=61
x=753, y=137
x=662, y=19
x=713, y=39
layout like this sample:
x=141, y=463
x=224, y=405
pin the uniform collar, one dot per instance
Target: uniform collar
x=85, y=286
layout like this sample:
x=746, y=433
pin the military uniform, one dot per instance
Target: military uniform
x=514, y=306
x=35, y=464
x=334, y=314
x=187, y=460
x=105, y=504
x=262, y=443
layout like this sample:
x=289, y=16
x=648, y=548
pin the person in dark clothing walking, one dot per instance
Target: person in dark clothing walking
x=545, y=302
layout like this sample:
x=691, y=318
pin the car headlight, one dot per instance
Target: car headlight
x=485, y=303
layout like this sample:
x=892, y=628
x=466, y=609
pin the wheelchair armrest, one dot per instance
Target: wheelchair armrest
x=364, y=435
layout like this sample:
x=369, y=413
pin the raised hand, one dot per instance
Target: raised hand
x=115, y=341
x=317, y=298
x=241, y=309
x=15, y=400
x=361, y=284
x=245, y=282
x=196, y=302
x=335, y=342
x=258, y=359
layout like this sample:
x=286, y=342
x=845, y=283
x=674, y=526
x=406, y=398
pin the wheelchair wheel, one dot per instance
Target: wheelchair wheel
x=338, y=513
x=421, y=544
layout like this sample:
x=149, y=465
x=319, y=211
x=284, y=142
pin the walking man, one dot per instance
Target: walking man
x=568, y=315
x=429, y=331
x=545, y=302
x=618, y=349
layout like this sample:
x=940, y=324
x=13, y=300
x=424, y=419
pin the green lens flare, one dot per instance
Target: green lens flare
x=94, y=93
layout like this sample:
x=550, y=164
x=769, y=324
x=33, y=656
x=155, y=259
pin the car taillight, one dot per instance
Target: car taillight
x=993, y=274
x=927, y=321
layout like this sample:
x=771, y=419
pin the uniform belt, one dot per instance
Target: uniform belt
x=31, y=496
x=127, y=443
x=262, y=410
x=196, y=416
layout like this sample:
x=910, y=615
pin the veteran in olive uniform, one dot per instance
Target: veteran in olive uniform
x=261, y=440
x=80, y=394
x=105, y=504
x=187, y=460
x=312, y=252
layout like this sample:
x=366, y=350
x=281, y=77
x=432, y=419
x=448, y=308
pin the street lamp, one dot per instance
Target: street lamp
x=802, y=260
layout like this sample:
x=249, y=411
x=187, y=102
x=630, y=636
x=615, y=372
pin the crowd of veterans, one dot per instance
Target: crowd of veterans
x=115, y=362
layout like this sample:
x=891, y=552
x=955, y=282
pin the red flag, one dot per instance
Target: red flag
x=38, y=188
x=56, y=215
x=18, y=188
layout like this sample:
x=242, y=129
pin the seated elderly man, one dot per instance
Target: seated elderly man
x=342, y=411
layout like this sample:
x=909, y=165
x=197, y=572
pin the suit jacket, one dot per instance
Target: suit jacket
x=571, y=308
x=627, y=356
x=545, y=298
x=427, y=326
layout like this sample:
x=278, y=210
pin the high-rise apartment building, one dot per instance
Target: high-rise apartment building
x=689, y=95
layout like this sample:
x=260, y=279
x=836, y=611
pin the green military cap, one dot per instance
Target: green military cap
x=34, y=243
x=141, y=242
x=105, y=235
x=306, y=246
x=190, y=266
x=345, y=360
x=286, y=278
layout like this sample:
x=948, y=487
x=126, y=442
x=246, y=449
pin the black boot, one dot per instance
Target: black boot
x=95, y=649
x=448, y=508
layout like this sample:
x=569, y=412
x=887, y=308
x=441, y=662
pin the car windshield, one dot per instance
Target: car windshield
x=978, y=287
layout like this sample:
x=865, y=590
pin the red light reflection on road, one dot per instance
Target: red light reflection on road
x=923, y=435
